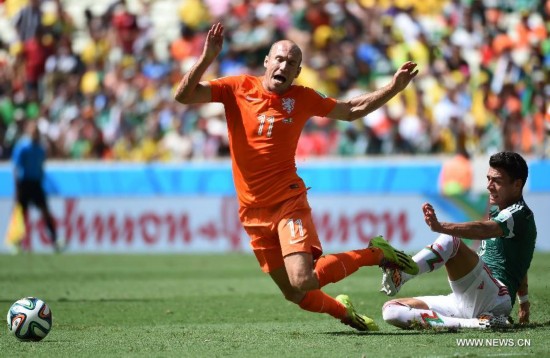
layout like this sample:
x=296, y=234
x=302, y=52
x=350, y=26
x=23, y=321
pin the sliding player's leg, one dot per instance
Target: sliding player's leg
x=446, y=251
x=415, y=312
x=478, y=300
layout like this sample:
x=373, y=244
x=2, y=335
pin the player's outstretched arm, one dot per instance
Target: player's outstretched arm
x=190, y=90
x=362, y=105
x=478, y=230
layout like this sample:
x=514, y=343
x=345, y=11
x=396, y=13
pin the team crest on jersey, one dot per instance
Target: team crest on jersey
x=288, y=104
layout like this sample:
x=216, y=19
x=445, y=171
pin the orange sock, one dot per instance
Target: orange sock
x=320, y=302
x=333, y=268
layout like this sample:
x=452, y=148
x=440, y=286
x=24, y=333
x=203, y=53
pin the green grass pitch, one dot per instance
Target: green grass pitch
x=224, y=306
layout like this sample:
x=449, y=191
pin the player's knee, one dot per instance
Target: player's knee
x=393, y=313
x=303, y=282
x=388, y=313
x=293, y=296
x=293, y=291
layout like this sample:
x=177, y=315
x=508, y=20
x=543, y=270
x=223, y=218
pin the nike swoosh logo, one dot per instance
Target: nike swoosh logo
x=297, y=241
x=252, y=99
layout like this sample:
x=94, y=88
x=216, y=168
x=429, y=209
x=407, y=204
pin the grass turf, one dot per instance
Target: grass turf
x=223, y=305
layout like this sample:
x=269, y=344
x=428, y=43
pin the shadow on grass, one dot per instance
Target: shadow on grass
x=421, y=331
x=521, y=327
x=407, y=332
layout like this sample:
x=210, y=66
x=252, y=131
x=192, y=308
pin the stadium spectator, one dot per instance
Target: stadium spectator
x=28, y=20
x=35, y=50
x=125, y=26
x=265, y=116
x=176, y=142
x=188, y=45
x=456, y=175
x=484, y=286
x=29, y=156
x=491, y=54
x=61, y=66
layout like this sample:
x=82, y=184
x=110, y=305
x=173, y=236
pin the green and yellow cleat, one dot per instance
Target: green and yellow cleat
x=354, y=319
x=394, y=258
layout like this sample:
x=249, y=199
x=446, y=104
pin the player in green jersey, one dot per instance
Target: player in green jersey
x=484, y=286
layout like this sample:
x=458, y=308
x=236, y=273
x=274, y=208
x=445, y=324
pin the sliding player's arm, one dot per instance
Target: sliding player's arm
x=523, y=301
x=478, y=230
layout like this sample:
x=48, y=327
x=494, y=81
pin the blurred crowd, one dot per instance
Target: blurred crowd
x=483, y=86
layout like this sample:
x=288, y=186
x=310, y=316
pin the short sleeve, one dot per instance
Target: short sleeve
x=505, y=220
x=320, y=104
x=223, y=87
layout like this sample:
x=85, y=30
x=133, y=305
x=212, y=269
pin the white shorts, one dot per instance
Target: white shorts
x=476, y=293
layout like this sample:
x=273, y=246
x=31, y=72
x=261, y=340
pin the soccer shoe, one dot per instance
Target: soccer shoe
x=59, y=245
x=392, y=281
x=394, y=259
x=489, y=320
x=15, y=249
x=354, y=319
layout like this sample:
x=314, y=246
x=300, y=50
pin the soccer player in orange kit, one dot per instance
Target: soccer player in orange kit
x=265, y=116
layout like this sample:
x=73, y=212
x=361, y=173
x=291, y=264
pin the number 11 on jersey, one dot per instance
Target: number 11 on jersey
x=262, y=119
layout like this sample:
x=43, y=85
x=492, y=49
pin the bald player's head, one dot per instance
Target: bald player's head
x=282, y=66
x=286, y=44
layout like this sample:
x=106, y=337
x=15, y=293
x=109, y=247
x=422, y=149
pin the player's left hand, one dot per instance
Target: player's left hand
x=404, y=75
x=523, y=314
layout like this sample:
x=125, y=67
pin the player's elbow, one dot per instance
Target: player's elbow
x=185, y=94
x=343, y=111
x=354, y=111
x=352, y=115
x=192, y=95
x=182, y=98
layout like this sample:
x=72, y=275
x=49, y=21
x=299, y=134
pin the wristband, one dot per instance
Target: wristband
x=523, y=299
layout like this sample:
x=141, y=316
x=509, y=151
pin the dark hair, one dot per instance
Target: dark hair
x=512, y=163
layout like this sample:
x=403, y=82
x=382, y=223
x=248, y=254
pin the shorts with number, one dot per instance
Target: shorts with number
x=280, y=230
x=476, y=293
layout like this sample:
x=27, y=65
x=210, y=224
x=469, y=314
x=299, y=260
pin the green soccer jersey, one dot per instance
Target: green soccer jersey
x=510, y=255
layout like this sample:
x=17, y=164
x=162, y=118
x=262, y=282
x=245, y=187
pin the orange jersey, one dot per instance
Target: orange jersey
x=264, y=129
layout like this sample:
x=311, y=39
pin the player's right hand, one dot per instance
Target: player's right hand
x=214, y=42
x=523, y=314
x=429, y=216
